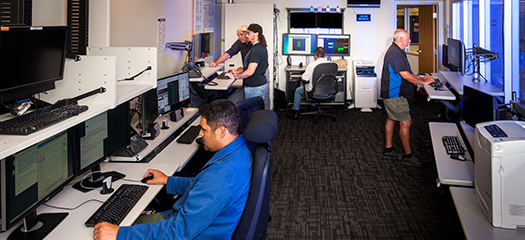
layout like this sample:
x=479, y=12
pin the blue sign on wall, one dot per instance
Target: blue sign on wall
x=363, y=17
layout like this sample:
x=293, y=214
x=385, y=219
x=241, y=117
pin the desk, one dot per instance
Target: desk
x=475, y=224
x=293, y=80
x=170, y=160
x=457, y=82
x=222, y=84
x=207, y=71
x=436, y=94
x=450, y=171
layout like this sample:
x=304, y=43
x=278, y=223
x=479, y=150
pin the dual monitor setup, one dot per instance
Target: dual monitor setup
x=33, y=175
x=305, y=44
x=455, y=57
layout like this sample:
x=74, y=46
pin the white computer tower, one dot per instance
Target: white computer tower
x=499, y=163
x=364, y=88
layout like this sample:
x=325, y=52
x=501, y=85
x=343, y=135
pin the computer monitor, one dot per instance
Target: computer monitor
x=334, y=44
x=149, y=111
x=478, y=106
x=96, y=139
x=32, y=176
x=202, y=45
x=299, y=44
x=31, y=60
x=456, y=55
x=172, y=92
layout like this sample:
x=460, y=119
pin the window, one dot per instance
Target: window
x=495, y=69
x=521, y=92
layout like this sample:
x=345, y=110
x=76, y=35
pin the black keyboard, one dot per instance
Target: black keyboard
x=453, y=145
x=117, y=207
x=40, y=119
x=222, y=76
x=189, y=136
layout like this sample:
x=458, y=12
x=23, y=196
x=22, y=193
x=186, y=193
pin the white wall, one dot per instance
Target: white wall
x=49, y=13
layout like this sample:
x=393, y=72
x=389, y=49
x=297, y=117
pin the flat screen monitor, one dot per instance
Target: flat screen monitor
x=478, y=106
x=363, y=3
x=172, y=92
x=149, y=111
x=316, y=20
x=98, y=138
x=202, y=45
x=31, y=59
x=456, y=55
x=335, y=44
x=299, y=44
x=31, y=177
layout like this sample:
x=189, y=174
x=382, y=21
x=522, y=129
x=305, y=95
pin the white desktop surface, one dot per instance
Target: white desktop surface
x=457, y=82
x=207, y=71
x=474, y=222
x=170, y=160
x=437, y=94
x=222, y=84
x=450, y=171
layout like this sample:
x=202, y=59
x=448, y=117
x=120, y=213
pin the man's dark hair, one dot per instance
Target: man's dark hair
x=319, y=52
x=222, y=113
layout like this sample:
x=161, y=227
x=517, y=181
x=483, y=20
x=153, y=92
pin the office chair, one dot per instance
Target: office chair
x=261, y=128
x=247, y=107
x=324, y=89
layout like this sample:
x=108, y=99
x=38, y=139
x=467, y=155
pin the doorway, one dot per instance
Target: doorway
x=420, y=22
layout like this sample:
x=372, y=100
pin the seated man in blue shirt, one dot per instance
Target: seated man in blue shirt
x=212, y=202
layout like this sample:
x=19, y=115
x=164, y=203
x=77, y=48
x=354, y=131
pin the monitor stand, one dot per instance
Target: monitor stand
x=95, y=181
x=39, y=226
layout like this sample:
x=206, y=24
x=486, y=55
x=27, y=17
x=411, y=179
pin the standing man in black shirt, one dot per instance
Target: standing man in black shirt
x=397, y=87
x=241, y=45
x=255, y=64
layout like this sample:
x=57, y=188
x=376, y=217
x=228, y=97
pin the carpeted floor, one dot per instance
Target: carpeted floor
x=329, y=181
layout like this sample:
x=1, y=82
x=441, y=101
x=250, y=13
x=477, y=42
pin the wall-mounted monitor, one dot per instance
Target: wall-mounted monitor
x=335, y=44
x=363, y=3
x=316, y=19
x=172, y=91
x=299, y=44
x=456, y=55
x=31, y=59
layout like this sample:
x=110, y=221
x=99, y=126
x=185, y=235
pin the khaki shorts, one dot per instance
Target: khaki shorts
x=397, y=109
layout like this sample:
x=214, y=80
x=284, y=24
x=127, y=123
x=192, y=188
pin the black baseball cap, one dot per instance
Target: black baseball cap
x=254, y=27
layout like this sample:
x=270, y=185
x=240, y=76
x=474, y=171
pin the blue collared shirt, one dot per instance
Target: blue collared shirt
x=212, y=202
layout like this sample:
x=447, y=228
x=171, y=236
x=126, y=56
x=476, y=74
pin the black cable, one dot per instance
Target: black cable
x=64, y=208
x=136, y=75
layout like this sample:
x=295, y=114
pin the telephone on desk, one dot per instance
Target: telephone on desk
x=136, y=145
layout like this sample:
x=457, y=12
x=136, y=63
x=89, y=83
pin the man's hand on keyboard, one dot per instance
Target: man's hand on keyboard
x=105, y=231
x=428, y=80
x=159, y=177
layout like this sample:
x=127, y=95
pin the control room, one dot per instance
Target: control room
x=243, y=119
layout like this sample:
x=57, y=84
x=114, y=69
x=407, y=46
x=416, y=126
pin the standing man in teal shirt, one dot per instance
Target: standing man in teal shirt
x=212, y=203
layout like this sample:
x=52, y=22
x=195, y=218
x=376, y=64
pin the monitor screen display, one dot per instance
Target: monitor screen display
x=363, y=3
x=102, y=136
x=37, y=172
x=478, y=107
x=298, y=44
x=172, y=91
x=334, y=45
x=25, y=62
x=456, y=55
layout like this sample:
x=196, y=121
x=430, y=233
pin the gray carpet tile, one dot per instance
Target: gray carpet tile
x=328, y=181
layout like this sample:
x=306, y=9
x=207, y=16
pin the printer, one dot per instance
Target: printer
x=499, y=166
x=364, y=89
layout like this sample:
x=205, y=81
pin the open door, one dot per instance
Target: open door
x=427, y=39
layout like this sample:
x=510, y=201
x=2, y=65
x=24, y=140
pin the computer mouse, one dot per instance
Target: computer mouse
x=149, y=177
x=199, y=141
x=458, y=157
x=301, y=64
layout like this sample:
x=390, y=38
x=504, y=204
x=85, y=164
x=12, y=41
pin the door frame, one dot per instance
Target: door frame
x=440, y=24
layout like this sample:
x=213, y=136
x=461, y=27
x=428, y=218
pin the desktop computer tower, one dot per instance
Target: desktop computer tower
x=500, y=172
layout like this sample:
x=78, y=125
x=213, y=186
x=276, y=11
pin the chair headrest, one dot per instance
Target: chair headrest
x=262, y=126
